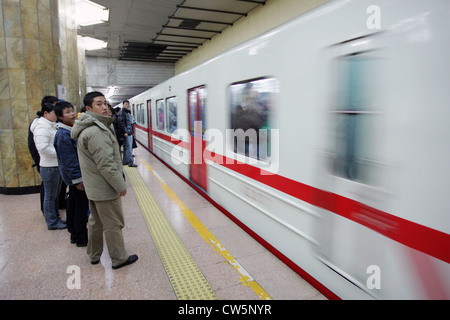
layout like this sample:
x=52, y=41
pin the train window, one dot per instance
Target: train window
x=142, y=113
x=197, y=108
x=251, y=105
x=354, y=118
x=160, y=119
x=171, y=112
x=137, y=114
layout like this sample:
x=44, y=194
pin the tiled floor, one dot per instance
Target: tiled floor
x=36, y=263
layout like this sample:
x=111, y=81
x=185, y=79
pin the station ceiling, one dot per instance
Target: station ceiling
x=163, y=30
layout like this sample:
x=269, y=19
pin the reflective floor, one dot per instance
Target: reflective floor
x=36, y=263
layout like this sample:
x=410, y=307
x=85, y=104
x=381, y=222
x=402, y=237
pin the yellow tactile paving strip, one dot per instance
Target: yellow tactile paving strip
x=245, y=278
x=186, y=279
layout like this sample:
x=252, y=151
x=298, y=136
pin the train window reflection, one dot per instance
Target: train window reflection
x=160, y=119
x=197, y=108
x=251, y=106
x=136, y=114
x=171, y=104
x=355, y=118
x=139, y=113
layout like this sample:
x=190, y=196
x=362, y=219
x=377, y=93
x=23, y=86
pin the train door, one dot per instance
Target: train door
x=197, y=110
x=149, y=121
x=354, y=169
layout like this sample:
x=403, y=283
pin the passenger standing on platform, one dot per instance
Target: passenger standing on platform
x=133, y=145
x=44, y=130
x=103, y=178
x=110, y=109
x=115, y=115
x=125, y=121
x=69, y=167
x=32, y=146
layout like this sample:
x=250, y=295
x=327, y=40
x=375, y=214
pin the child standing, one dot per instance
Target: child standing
x=69, y=167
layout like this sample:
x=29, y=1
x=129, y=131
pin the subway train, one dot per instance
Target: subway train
x=328, y=140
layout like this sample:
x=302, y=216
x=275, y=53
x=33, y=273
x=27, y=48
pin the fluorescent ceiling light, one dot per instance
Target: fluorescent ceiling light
x=94, y=44
x=89, y=13
x=111, y=91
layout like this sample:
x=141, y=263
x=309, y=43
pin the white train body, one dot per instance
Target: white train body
x=354, y=191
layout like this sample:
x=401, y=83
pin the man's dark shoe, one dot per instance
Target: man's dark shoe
x=132, y=165
x=131, y=259
x=59, y=226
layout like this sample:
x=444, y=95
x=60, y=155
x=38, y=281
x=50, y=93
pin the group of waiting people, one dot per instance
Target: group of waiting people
x=84, y=154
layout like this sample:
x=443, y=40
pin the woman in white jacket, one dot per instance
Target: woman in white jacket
x=44, y=130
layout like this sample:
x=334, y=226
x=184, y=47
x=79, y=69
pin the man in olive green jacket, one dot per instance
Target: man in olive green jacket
x=101, y=168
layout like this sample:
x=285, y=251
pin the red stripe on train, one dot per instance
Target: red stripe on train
x=419, y=237
x=411, y=234
x=165, y=137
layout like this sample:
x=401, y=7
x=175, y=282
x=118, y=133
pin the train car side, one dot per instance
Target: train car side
x=330, y=183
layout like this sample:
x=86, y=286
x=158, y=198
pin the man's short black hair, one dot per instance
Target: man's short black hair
x=60, y=106
x=49, y=99
x=89, y=98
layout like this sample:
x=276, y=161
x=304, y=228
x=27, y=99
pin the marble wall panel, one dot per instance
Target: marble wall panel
x=12, y=19
x=82, y=71
x=38, y=50
x=48, y=83
x=17, y=84
x=2, y=29
x=28, y=4
x=4, y=84
x=14, y=53
x=24, y=161
x=7, y=144
x=44, y=20
x=21, y=143
x=45, y=5
x=34, y=85
x=3, y=61
x=2, y=177
x=25, y=172
x=19, y=108
x=6, y=115
x=47, y=57
x=33, y=107
x=32, y=54
x=29, y=22
x=10, y=173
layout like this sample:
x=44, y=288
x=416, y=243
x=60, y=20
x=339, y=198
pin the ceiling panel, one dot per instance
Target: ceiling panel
x=207, y=15
x=241, y=6
x=180, y=25
x=160, y=31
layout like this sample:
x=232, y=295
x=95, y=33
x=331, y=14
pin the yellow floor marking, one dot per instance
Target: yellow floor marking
x=246, y=278
x=187, y=280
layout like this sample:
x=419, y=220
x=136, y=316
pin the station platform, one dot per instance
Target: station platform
x=187, y=248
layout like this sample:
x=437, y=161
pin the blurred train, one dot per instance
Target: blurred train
x=328, y=140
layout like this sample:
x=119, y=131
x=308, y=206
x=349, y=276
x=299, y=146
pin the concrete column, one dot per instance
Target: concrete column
x=38, y=51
